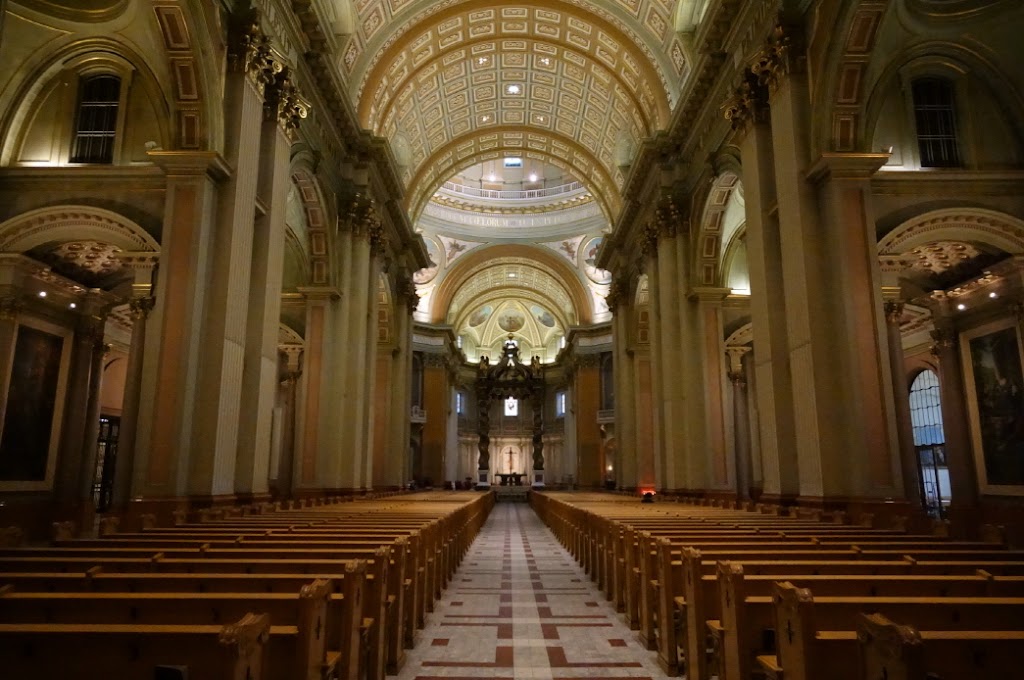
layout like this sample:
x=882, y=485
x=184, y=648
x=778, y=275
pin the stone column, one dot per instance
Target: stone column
x=740, y=422
x=281, y=112
x=651, y=378
x=172, y=345
x=624, y=468
x=962, y=475
x=708, y=394
x=140, y=305
x=11, y=306
x=289, y=438
x=378, y=247
x=315, y=458
x=397, y=460
x=353, y=447
x=774, y=387
x=217, y=405
x=863, y=458
x=77, y=453
x=912, y=489
x=669, y=360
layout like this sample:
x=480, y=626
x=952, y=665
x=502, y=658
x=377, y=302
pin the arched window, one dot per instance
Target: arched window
x=930, y=442
x=96, y=119
x=935, y=120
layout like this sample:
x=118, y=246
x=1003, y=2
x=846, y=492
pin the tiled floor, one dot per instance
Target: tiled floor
x=520, y=607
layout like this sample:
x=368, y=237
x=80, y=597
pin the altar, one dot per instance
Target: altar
x=511, y=478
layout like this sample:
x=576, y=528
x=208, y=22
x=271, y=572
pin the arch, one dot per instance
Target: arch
x=708, y=245
x=286, y=335
x=321, y=258
x=957, y=64
x=979, y=225
x=390, y=53
x=73, y=223
x=483, y=257
x=45, y=72
x=744, y=335
x=433, y=171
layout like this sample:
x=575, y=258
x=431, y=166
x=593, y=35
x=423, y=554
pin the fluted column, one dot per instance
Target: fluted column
x=281, y=112
x=353, y=446
x=624, y=467
x=217, y=406
x=378, y=245
x=912, y=488
x=740, y=421
x=397, y=461
x=773, y=384
x=669, y=364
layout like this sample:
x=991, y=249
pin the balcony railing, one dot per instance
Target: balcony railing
x=518, y=194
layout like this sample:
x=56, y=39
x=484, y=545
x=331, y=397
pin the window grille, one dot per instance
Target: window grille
x=96, y=124
x=935, y=117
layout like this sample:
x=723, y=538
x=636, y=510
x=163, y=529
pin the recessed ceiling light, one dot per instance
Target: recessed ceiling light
x=545, y=60
x=481, y=60
x=72, y=306
x=42, y=293
x=961, y=306
x=540, y=119
x=485, y=119
x=513, y=89
x=511, y=275
x=993, y=294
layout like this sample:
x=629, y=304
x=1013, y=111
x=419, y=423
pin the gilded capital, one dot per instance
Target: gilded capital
x=779, y=58
x=618, y=294
x=666, y=217
x=747, y=104
x=378, y=238
x=894, y=312
x=140, y=307
x=944, y=339
x=284, y=103
x=249, y=50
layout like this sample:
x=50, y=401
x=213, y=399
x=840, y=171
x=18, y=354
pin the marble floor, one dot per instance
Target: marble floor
x=520, y=607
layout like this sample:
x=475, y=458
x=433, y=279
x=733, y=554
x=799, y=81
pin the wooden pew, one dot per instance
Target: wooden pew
x=809, y=649
x=246, y=650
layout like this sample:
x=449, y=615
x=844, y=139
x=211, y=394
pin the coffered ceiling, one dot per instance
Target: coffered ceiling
x=574, y=83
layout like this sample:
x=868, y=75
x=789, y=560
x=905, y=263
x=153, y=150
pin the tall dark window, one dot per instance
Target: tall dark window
x=96, y=125
x=935, y=116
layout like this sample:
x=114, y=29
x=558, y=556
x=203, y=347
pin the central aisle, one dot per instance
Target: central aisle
x=520, y=607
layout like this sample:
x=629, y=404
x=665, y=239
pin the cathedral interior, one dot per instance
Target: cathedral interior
x=731, y=250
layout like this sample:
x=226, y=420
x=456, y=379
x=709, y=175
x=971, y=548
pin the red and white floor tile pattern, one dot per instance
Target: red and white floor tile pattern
x=520, y=607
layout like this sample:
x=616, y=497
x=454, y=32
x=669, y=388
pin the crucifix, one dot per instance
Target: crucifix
x=510, y=460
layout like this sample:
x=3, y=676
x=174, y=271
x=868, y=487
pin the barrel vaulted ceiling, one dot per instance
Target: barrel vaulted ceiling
x=574, y=83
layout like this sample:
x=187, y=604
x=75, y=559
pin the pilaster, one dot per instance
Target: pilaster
x=625, y=459
x=669, y=360
x=315, y=462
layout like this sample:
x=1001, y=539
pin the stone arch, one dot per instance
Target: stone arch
x=188, y=40
x=73, y=223
x=708, y=239
x=44, y=74
x=979, y=225
x=480, y=258
x=318, y=217
x=744, y=335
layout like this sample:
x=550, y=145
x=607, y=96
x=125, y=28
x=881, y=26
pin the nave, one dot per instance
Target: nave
x=520, y=607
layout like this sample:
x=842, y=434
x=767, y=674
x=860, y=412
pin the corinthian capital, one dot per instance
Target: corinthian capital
x=781, y=56
x=249, y=50
x=748, y=103
x=284, y=103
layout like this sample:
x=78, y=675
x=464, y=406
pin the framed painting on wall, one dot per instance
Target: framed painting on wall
x=33, y=406
x=994, y=382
